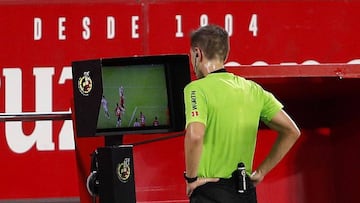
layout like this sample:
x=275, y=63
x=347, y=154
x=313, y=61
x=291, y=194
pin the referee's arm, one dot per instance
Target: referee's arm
x=194, y=138
x=288, y=133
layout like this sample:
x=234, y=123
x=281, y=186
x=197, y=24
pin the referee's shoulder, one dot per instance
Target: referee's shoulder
x=248, y=81
x=193, y=83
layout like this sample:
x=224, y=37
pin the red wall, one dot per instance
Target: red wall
x=34, y=77
x=322, y=166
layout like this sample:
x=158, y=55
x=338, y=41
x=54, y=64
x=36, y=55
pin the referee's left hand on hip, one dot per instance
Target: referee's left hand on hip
x=256, y=177
x=190, y=187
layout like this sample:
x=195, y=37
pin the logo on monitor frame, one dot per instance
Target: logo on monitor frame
x=85, y=84
x=123, y=170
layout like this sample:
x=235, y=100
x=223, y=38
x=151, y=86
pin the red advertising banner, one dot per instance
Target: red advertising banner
x=273, y=32
x=38, y=42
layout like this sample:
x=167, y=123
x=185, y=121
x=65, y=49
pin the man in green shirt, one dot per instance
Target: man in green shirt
x=222, y=117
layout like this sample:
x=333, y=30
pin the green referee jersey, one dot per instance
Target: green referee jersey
x=230, y=107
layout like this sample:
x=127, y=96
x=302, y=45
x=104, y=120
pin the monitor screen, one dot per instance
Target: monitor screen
x=130, y=95
x=134, y=96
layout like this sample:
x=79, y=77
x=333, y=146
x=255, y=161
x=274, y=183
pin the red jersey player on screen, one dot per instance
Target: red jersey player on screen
x=118, y=112
x=122, y=98
x=156, y=121
x=142, y=119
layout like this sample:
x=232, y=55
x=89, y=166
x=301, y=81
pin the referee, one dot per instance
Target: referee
x=222, y=117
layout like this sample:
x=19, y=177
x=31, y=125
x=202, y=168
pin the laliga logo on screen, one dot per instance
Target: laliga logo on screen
x=123, y=170
x=85, y=84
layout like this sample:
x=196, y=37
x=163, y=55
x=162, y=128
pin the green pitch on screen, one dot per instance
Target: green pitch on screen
x=144, y=90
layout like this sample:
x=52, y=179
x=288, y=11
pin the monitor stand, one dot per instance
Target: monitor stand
x=116, y=171
x=115, y=140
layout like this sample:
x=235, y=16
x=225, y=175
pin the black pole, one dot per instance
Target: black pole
x=114, y=140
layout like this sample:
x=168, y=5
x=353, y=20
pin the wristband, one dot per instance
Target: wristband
x=190, y=180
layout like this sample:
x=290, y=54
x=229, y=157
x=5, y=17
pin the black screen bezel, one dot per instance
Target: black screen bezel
x=86, y=106
x=175, y=78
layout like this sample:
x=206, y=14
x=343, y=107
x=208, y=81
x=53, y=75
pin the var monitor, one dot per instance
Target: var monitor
x=132, y=95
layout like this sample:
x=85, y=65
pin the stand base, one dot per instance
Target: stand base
x=116, y=174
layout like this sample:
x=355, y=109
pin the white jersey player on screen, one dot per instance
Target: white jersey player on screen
x=121, y=91
x=104, y=104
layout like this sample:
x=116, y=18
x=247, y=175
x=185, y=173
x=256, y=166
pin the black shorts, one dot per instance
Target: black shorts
x=224, y=191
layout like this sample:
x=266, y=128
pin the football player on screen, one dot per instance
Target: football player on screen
x=122, y=98
x=118, y=112
x=142, y=119
x=104, y=104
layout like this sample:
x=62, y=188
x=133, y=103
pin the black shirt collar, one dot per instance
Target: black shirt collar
x=221, y=70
